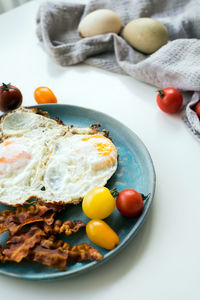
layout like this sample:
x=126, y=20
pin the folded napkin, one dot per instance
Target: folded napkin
x=176, y=64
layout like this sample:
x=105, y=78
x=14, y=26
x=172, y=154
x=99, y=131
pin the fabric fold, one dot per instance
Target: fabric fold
x=175, y=64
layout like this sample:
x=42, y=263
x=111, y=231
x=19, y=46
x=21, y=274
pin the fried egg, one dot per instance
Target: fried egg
x=54, y=163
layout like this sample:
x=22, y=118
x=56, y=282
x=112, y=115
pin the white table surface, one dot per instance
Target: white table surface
x=163, y=260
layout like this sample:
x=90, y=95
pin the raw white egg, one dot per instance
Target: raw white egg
x=99, y=22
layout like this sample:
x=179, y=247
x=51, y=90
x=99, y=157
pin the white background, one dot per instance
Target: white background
x=163, y=260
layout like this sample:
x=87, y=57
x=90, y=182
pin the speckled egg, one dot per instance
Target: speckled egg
x=146, y=35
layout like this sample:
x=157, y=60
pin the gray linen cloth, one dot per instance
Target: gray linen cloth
x=176, y=64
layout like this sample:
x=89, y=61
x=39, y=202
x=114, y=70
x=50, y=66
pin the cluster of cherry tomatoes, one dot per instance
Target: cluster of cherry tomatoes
x=11, y=96
x=99, y=203
x=168, y=99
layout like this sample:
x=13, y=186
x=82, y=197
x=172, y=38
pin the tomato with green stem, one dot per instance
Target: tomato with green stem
x=169, y=100
x=129, y=203
x=10, y=97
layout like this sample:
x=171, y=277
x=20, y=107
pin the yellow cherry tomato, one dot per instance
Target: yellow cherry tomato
x=98, y=203
x=102, y=234
x=44, y=95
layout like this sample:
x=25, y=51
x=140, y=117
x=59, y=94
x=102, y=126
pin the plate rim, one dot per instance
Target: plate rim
x=94, y=264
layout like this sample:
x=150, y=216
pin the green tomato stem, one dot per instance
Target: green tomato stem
x=114, y=192
x=162, y=93
x=6, y=87
x=144, y=197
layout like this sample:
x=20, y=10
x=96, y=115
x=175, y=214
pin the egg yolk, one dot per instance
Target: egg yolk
x=13, y=155
x=105, y=149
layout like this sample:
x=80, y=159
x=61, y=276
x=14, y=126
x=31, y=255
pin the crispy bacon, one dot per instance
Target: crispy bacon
x=20, y=244
x=51, y=252
x=14, y=220
x=1, y=254
x=2, y=228
x=12, y=228
x=51, y=257
x=68, y=227
x=52, y=243
x=55, y=253
x=38, y=242
x=29, y=221
x=52, y=206
x=48, y=218
x=84, y=252
x=6, y=215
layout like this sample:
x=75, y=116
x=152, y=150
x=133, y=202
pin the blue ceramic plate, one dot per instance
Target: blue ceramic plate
x=135, y=170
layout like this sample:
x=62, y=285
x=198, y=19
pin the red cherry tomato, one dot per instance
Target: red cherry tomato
x=129, y=203
x=10, y=97
x=169, y=100
x=197, y=109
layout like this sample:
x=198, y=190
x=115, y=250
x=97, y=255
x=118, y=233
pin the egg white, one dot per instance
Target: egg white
x=20, y=177
x=75, y=167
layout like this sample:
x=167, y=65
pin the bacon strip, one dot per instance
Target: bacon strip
x=1, y=254
x=84, y=252
x=55, y=253
x=68, y=227
x=29, y=221
x=3, y=228
x=14, y=220
x=39, y=242
x=52, y=243
x=20, y=244
x=50, y=257
x=51, y=252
